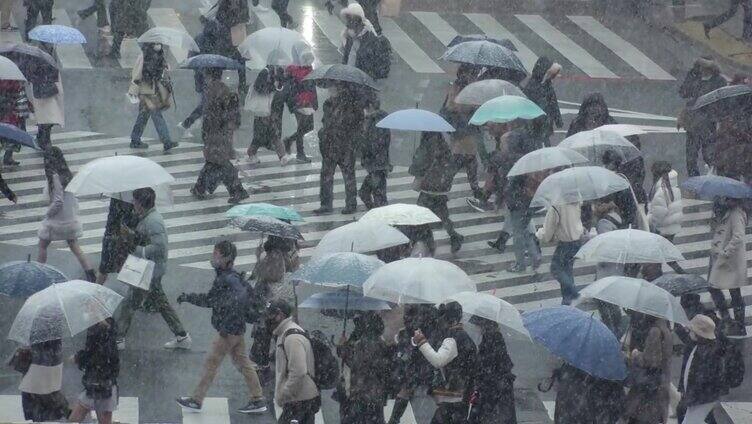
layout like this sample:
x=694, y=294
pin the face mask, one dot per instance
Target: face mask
x=333, y=91
x=351, y=33
x=215, y=264
x=158, y=47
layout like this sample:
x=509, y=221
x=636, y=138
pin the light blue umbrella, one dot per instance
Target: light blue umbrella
x=24, y=278
x=415, y=120
x=578, y=338
x=505, y=109
x=264, y=209
x=57, y=34
x=708, y=187
x=344, y=300
x=338, y=270
x=204, y=61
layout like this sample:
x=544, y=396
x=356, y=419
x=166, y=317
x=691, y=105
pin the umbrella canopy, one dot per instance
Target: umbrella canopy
x=10, y=71
x=578, y=338
x=576, y=185
x=116, y=174
x=624, y=130
x=264, y=209
x=486, y=53
x=204, y=61
x=490, y=307
x=503, y=109
x=162, y=191
x=401, y=214
x=732, y=98
x=360, y=237
x=277, y=46
x=344, y=300
x=342, y=73
x=546, y=158
x=30, y=60
x=24, y=278
x=595, y=142
x=681, y=284
x=482, y=37
x=57, y=34
x=417, y=280
x=482, y=91
x=338, y=270
x=629, y=247
x=14, y=135
x=170, y=37
x=415, y=120
x=63, y=310
x=637, y=295
x=268, y=226
x=708, y=187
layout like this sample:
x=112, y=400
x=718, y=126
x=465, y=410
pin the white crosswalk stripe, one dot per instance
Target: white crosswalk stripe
x=12, y=412
x=410, y=52
x=437, y=25
x=166, y=17
x=492, y=28
x=213, y=410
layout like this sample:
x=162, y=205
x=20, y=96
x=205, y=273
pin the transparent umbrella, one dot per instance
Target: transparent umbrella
x=629, y=246
x=116, y=174
x=546, y=158
x=595, y=142
x=338, y=270
x=360, y=236
x=277, y=46
x=401, y=214
x=170, y=37
x=576, y=185
x=490, y=307
x=482, y=91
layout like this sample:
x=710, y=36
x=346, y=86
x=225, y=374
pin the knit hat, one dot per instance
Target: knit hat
x=702, y=326
x=355, y=10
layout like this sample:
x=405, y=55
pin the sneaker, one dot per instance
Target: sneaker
x=234, y=200
x=302, y=158
x=495, y=245
x=478, y=205
x=169, y=145
x=322, y=211
x=139, y=145
x=257, y=406
x=456, y=243
x=179, y=343
x=517, y=268
x=120, y=344
x=284, y=160
x=253, y=160
x=188, y=403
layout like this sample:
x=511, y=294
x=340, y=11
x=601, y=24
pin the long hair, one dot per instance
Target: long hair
x=54, y=163
x=661, y=170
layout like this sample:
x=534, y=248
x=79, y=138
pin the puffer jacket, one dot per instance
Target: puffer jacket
x=664, y=215
x=226, y=300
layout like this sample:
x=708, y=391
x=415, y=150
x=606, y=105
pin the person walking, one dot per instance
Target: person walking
x=127, y=18
x=720, y=19
x=152, y=87
x=361, y=47
x=100, y=8
x=593, y=113
x=41, y=397
x=267, y=129
x=150, y=238
x=227, y=300
x=35, y=9
x=233, y=16
x=61, y=221
x=221, y=117
x=539, y=88
x=14, y=110
x=626, y=200
x=100, y=362
x=563, y=224
x=280, y=8
x=115, y=247
x=6, y=11
x=48, y=104
x=665, y=209
x=302, y=101
x=6, y=191
x=584, y=399
x=518, y=202
x=374, y=146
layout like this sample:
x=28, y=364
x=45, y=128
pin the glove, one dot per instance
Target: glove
x=182, y=298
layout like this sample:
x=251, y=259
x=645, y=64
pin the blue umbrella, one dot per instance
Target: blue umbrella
x=12, y=134
x=482, y=37
x=579, y=339
x=338, y=270
x=24, y=278
x=708, y=187
x=57, y=34
x=342, y=300
x=415, y=120
x=204, y=61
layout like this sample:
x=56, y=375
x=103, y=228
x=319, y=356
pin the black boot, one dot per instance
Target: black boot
x=740, y=327
x=501, y=243
x=400, y=405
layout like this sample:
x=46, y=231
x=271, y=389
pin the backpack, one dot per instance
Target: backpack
x=326, y=367
x=253, y=304
x=733, y=365
x=383, y=55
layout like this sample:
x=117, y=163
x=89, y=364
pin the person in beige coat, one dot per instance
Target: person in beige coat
x=728, y=261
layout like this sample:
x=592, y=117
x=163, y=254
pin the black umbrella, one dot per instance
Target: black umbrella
x=267, y=225
x=32, y=61
x=205, y=61
x=680, y=284
x=725, y=100
x=482, y=37
x=343, y=73
x=489, y=54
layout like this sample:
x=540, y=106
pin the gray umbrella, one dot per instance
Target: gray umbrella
x=681, y=284
x=482, y=37
x=485, y=53
x=343, y=73
x=267, y=225
x=726, y=99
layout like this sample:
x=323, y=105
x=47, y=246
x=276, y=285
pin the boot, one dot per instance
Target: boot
x=400, y=405
x=501, y=243
x=455, y=240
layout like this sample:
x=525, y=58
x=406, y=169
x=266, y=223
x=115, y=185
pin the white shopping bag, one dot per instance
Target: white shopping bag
x=137, y=272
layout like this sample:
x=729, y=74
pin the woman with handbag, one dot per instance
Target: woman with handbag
x=267, y=103
x=152, y=87
x=100, y=362
x=41, y=398
x=47, y=102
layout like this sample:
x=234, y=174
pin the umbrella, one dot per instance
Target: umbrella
x=360, y=237
x=725, y=99
x=401, y=214
x=637, y=295
x=576, y=185
x=546, y=158
x=708, y=187
x=337, y=270
x=482, y=37
x=277, y=46
x=267, y=225
x=24, y=278
x=482, y=91
x=264, y=209
x=10, y=71
x=624, y=130
x=116, y=174
x=14, y=135
x=486, y=53
x=595, y=142
x=204, y=61
x=681, y=284
x=30, y=60
x=578, y=338
x=505, y=109
x=170, y=37
x=415, y=120
x=629, y=247
x=490, y=307
x=344, y=300
x=417, y=280
x=342, y=73
x=162, y=191
x=57, y=34
x=63, y=310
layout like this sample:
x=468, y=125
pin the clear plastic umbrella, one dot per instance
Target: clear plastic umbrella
x=9, y=70
x=624, y=130
x=360, y=237
x=415, y=120
x=490, y=307
x=116, y=174
x=629, y=247
x=24, y=278
x=170, y=37
x=63, y=310
x=277, y=46
x=482, y=91
x=546, y=158
x=401, y=214
x=57, y=34
x=595, y=142
x=338, y=270
x=576, y=185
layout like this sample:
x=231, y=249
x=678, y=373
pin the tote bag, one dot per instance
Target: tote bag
x=259, y=104
x=137, y=272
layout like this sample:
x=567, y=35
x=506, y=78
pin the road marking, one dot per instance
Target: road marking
x=739, y=412
x=213, y=411
x=494, y=29
x=10, y=409
x=437, y=25
x=568, y=48
x=70, y=56
x=550, y=408
x=318, y=418
x=166, y=17
x=410, y=52
x=407, y=418
x=330, y=26
x=626, y=51
x=127, y=411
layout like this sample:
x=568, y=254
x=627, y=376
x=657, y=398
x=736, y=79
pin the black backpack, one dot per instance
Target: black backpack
x=383, y=54
x=253, y=304
x=326, y=367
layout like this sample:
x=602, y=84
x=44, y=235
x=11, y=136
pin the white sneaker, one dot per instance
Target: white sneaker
x=121, y=344
x=180, y=343
x=253, y=160
x=284, y=160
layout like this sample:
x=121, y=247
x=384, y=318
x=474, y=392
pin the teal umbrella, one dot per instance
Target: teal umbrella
x=264, y=209
x=505, y=109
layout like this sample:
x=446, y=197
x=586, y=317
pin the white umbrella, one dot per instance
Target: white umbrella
x=490, y=307
x=629, y=247
x=401, y=214
x=277, y=46
x=479, y=92
x=338, y=270
x=595, y=142
x=637, y=295
x=417, y=280
x=63, y=310
x=624, y=130
x=576, y=185
x=360, y=236
x=546, y=158
x=162, y=191
x=170, y=37
x=9, y=70
x=116, y=174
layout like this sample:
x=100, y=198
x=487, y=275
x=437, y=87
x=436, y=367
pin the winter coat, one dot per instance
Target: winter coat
x=455, y=360
x=14, y=105
x=148, y=81
x=50, y=110
x=343, y=117
x=294, y=369
x=431, y=164
x=664, y=215
x=540, y=90
x=650, y=406
x=634, y=172
x=301, y=93
x=369, y=360
x=61, y=221
x=705, y=378
x=129, y=17
x=232, y=12
x=221, y=119
x=45, y=375
x=267, y=130
x=584, y=122
x=151, y=237
x=465, y=137
x=226, y=300
x=374, y=143
x=367, y=55
x=99, y=359
x=494, y=379
x=693, y=87
x=583, y=399
x=215, y=39
x=733, y=148
x=728, y=251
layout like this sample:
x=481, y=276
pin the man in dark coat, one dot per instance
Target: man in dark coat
x=234, y=13
x=127, y=17
x=540, y=90
x=361, y=45
x=494, y=380
x=374, y=146
x=34, y=8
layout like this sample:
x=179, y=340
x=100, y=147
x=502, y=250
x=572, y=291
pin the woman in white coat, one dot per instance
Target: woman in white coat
x=665, y=209
x=48, y=104
x=61, y=221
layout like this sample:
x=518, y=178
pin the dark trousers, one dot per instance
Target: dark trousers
x=304, y=411
x=197, y=113
x=698, y=141
x=100, y=8
x=242, y=81
x=728, y=14
x=450, y=413
x=262, y=341
x=373, y=190
x=346, y=164
x=280, y=7
x=44, y=135
x=438, y=205
x=154, y=300
x=562, y=268
x=363, y=412
x=304, y=125
x=737, y=302
x=213, y=173
x=470, y=164
x=33, y=10
x=372, y=14
x=117, y=41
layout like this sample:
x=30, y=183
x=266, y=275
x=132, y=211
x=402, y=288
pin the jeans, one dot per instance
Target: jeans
x=303, y=411
x=438, y=205
x=159, y=124
x=154, y=299
x=524, y=240
x=221, y=347
x=304, y=125
x=728, y=14
x=197, y=113
x=100, y=8
x=562, y=265
x=373, y=190
x=34, y=9
x=212, y=173
x=346, y=163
